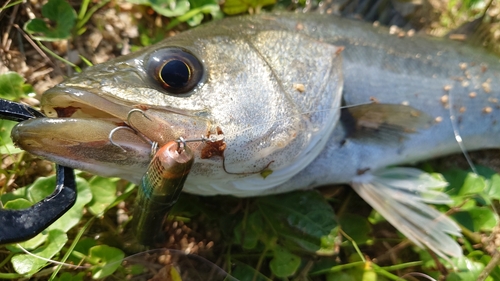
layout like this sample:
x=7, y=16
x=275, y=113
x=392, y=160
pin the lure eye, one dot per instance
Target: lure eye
x=175, y=70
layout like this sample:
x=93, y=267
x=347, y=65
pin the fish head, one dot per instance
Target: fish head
x=260, y=101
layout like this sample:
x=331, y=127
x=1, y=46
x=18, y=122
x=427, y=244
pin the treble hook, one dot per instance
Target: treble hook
x=112, y=132
x=154, y=145
x=181, y=142
x=136, y=110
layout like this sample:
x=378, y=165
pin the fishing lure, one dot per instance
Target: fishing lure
x=163, y=180
x=160, y=188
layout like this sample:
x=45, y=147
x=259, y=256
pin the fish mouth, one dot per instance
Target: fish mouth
x=77, y=102
x=80, y=131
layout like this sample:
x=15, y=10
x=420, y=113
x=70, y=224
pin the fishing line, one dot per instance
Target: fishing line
x=194, y=266
x=462, y=146
x=216, y=137
x=190, y=264
x=419, y=274
x=458, y=138
x=52, y=261
x=300, y=114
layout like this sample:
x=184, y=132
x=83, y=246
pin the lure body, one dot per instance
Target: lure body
x=160, y=188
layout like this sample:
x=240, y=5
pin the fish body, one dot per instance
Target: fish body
x=432, y=75
x=271, y=86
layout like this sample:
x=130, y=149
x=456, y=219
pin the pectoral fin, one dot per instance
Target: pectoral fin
x=385, y=121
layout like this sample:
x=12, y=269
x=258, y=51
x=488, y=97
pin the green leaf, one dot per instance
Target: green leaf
x=473, y=184
x=138, y=2
x=477, y=219
x=243, y=272
x=284, y=263
x=467, y=269
x=249, y=235
x=18, y=193
x=483, y=187
x=66, y=276
x=266, y=172
x=41, y=188
x=6, y=144
x=233, y=7
x=29, y=264
x=352, y=273
x=464, y=183
x=455, y=179
x=136, y=269
x=61, y=14
x=170, y=8
x=202, y=7
x=106, y=260
x=301, y=219
x=81, y=250
x=103, y=194
x=493, y=190
x=84, y=245
x=18, y=204
x=357, y=227
x=12, y=86
x=469, y=4
x=196, y=15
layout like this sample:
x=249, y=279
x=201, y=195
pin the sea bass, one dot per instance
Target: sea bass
x=263, y=95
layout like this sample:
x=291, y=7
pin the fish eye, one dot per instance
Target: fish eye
x=175, y=70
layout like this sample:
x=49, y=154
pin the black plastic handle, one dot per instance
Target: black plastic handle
x=18, y=112
x=21, y=225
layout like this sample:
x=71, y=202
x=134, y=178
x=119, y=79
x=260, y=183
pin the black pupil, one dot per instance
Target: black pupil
x=175, y=73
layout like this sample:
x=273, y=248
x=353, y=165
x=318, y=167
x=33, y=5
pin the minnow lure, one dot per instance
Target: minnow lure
x=160, y=188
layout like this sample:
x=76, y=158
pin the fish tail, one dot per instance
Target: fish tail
x=401, y=196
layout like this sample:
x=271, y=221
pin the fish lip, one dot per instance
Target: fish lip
x=89, y=102
x=81, y=102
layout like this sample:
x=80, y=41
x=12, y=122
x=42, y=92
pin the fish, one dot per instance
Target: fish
x=281, y=102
